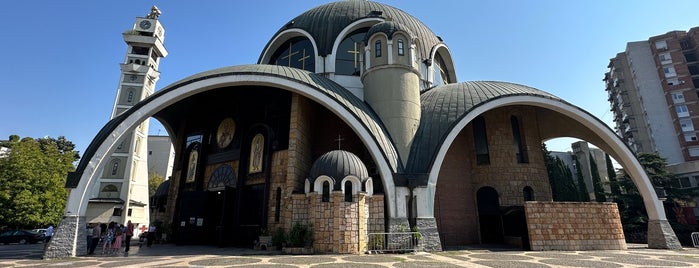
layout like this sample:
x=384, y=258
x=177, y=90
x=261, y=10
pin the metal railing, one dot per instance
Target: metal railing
x=394, y=242
x=695, y=239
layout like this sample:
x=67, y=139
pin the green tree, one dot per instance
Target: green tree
x=560, y=178
x=582, y=187
x=597, y=181
x=632, y=211
x=611, y=173
x=154, y=180
x=32, y=179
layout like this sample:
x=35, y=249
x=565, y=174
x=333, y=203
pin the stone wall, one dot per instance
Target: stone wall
x=277, y=180
x=338, y=226
x=300, y=136
x=574, y=226
x=64, y=242
x=460, y=177
x=376, y=222
x=504, y=173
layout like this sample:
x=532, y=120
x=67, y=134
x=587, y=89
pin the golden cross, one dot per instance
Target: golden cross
x=290, y=54
x=303, y=59
x=356, y=54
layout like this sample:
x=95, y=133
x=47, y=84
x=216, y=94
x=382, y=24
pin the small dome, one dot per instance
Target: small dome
x=163, y=189
x=387, y=27
x=338, y=164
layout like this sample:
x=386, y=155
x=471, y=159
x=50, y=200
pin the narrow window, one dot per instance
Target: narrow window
x=401, y=50
x=129, y=212
x=520, y=148
x=117, y=212
x=326, y=192
x=481, y=141
x=378, y=48
x=528, y=193
x=130, y=98
x=348, y=191
x=278, y=205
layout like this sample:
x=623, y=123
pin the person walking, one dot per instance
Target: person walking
x=116, y=244
x=88, y=231
x=151, y=235
x=128, y=233
x=96, y=234
x=49, y=233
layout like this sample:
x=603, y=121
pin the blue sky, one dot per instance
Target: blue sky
x=61, y=58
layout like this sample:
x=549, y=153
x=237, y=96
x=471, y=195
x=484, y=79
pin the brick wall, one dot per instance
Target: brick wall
x=574, y=226
x=455, y=207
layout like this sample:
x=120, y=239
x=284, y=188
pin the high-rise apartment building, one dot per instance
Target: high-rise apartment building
x=653, y=89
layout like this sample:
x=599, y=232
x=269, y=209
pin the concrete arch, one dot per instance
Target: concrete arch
x=594, y=130
x=226, y=77
x=443, y=51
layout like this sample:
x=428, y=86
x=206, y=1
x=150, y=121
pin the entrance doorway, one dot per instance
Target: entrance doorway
x=489, y=216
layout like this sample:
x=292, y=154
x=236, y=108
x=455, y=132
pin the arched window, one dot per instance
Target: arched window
x=297, y=52
x=278, y=205
x=130, y=97
x=518, y=137
x=377, y=48
x=326, y=192
x=481, y=141
x=401, y=48
x=348, y=191
x=348, y=59
x=528, y=193
x=441, y=75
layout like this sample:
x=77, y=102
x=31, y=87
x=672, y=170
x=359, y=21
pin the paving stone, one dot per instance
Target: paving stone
x=213, y=261
x=580, y=263
x=373, y=258
x=420, y=264
x=301, y=260
x=347, y=265
x=509, y=264
x=493, y=256
x=647, y=262
x=554, y=255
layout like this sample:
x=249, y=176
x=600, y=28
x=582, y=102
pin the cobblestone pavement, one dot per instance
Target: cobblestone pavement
x=205, y=256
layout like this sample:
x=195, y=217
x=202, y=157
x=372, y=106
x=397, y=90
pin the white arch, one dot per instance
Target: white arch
x=369, y=186
x=447, y=60
x=288, y=34
x=318, y=184
x=77, y=200
x=356, y=184
x=626, y=158
x=366, y=22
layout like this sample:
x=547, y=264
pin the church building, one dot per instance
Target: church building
x=353, y=123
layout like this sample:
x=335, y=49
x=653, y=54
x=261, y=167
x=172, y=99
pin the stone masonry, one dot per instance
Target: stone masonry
x=574, y=226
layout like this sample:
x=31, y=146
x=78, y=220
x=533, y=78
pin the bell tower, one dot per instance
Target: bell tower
x=121, y=193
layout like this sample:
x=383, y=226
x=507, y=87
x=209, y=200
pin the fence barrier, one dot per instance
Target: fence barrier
x=394, y=242
x=695, y=239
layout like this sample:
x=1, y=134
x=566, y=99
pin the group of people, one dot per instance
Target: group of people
x=111, y=235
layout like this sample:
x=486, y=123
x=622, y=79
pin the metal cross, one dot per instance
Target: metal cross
x=339, y=141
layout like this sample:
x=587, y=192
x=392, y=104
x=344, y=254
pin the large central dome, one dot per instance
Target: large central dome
x=325, y=23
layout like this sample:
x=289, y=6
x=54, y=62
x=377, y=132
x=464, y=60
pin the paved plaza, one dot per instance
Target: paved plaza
x=168, y=255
